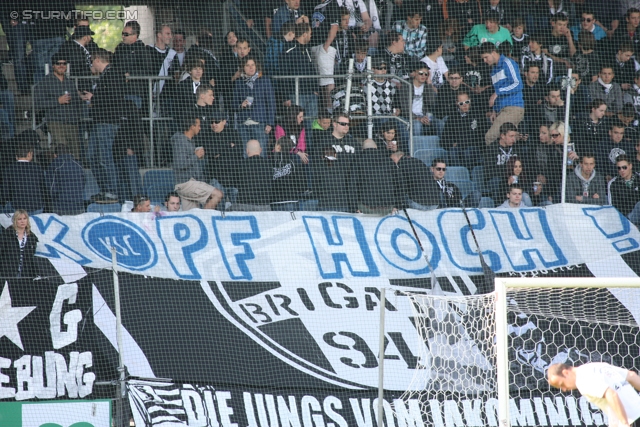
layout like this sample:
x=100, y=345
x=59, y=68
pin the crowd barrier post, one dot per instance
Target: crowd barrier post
x=369, y=100
x=565, y=154
x=347, y=99
x=120, y=402
x=383, y=303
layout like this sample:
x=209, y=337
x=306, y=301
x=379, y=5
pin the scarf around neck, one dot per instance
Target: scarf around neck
x=250, y=81
x=607, y=86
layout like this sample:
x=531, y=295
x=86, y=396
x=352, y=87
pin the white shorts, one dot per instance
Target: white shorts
x=325, y=62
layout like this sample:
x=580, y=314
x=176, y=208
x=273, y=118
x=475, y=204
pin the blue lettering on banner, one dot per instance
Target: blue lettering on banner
x=613, y=225
x=134, y=249
x=185, y=235
x=536, y=232
x=231, y=233
x=457, y=232
x=331, y=252
x=402, y=250
x=54, y=231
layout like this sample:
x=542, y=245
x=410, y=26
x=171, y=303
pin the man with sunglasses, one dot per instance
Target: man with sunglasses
x=624, y=190
x=446, y=194
x=132, y=58
x=62, y=103
x=423, y=101
x=340, y=139
x=463, y=133
x=588, y=23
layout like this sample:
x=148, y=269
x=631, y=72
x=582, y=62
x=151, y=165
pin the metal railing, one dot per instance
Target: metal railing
x=153, y=104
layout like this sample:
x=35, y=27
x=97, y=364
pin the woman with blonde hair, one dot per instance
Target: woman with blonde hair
x=18, y=248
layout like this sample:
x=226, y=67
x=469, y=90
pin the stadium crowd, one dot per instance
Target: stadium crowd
x=480, y=82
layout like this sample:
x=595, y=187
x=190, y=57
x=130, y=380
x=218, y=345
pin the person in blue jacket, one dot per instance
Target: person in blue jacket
x=255, y=102
x=507, y=101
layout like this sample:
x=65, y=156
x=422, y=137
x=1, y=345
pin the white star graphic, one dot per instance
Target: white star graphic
x=10, y=317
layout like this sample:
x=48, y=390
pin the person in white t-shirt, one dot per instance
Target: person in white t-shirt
x=610, y=388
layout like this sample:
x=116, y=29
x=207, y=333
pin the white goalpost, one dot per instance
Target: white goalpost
x=492, y=351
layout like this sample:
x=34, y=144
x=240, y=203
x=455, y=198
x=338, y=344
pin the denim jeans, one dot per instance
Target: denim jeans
x=418, y=206
x=9, y=105
x=432, y=129
x=17, y=40
x=100, y=156
x=634, y=215
x=248, y=132
x=43, y=50
x=129, y=180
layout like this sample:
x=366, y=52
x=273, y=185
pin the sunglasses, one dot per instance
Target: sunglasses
x=587, y=20
x=423, y=73
x=126, y=34
x=381, y=67
x=62, y=63
x=624, y=168
x=555, y=135
x=441, y=169
x=343, y=123
x=468, y=101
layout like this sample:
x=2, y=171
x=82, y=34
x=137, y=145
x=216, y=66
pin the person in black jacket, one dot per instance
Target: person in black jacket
x=128, y=151
x=203, y=50
x=298, y=60
x=23, y=181
x=463, y=135
x=288, y=177
x=132, y=58
x=254, y=190
x=65, y=181
x=223, y=153
x=624, y=190
x=330, y=181
x=415, y=182
x=78, y=56
x=18, y=248
x=48, y=33
x=107, y=101
x=374, y=179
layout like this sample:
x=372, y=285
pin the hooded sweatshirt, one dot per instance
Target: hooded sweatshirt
x=578, y=185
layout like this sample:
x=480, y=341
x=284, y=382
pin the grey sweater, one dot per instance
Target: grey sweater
x=47, y=93
x=577, y=185
x=186, y=164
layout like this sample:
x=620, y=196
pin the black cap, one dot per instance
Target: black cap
x=377, y=61
x=59, y=56
x=82, y=31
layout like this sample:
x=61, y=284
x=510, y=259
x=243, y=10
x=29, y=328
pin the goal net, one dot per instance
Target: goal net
x=486, y=356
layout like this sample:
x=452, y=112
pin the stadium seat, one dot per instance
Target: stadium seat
x=487, y=202
x=457, y=173
x=90, y=185
x=477, y=176
x=427, y=156
x=426, y=143
x=465, y=186
x=104, y=207
x=157, y=183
